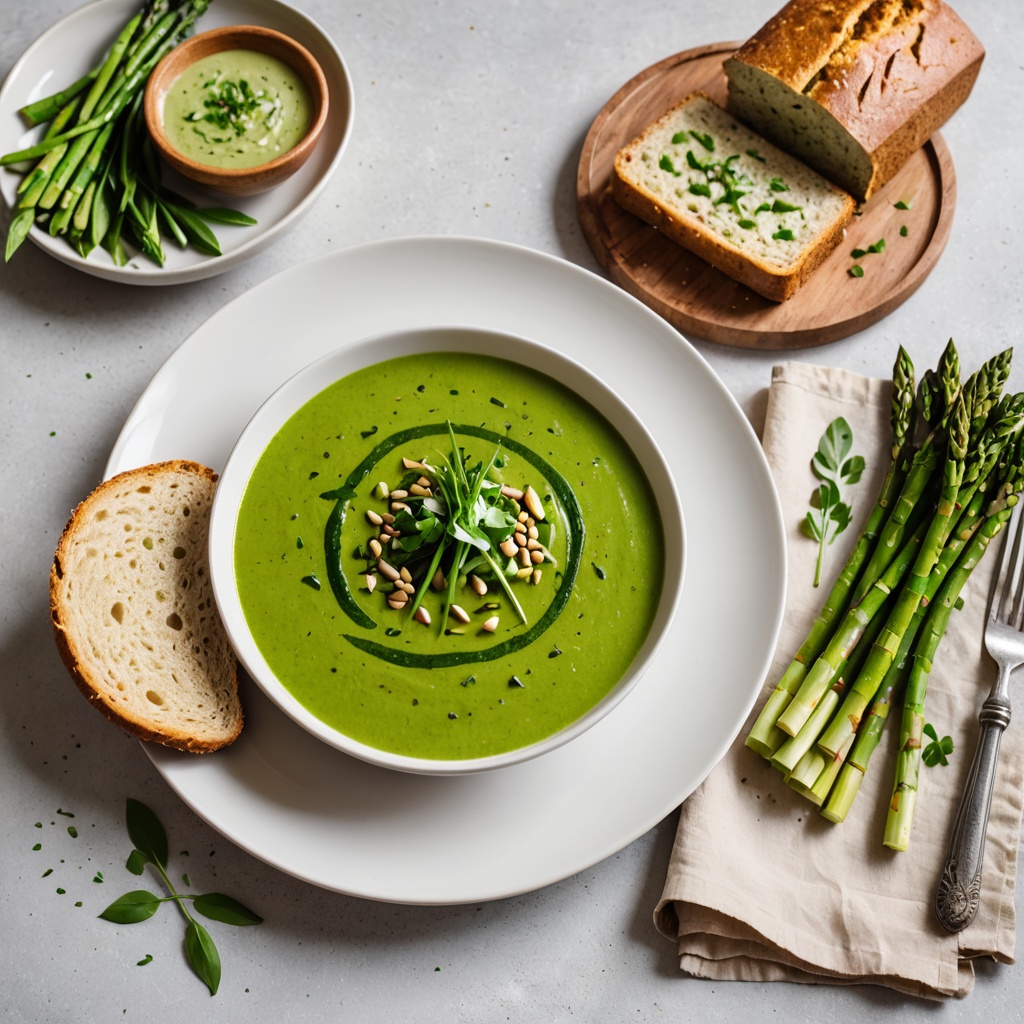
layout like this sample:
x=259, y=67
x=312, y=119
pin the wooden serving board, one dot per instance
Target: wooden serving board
x=702, y=301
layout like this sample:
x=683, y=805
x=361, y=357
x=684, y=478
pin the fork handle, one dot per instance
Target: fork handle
x=959, y=891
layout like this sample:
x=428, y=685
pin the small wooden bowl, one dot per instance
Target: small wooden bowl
x=245, y=181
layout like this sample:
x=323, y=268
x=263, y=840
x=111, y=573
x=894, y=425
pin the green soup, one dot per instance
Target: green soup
x=447, y=689
x=237, y=109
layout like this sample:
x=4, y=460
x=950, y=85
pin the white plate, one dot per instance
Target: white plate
x=75, y=43
x=353, y=827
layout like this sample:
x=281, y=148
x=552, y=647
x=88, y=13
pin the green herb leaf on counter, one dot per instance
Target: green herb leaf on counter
x=830, y=514
x=150, y=839
x=938, y=750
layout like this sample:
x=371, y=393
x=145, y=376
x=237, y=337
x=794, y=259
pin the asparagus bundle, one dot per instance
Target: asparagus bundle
x=944, y=498
x=93, y=177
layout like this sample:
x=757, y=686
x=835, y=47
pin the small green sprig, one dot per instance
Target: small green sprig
x=938, y=751
x=833, y=465
x=150, y=840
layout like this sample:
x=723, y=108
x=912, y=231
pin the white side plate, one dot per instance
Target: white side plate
x=72, y=46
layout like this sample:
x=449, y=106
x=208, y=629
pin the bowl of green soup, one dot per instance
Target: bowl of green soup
x=237, y=109
x=446, y=550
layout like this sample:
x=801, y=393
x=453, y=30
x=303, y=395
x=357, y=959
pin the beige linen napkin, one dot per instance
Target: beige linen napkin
x=759, y=886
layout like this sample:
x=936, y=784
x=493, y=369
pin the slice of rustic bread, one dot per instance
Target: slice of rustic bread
x=723, y=192
x=854, y=87
x=133, y=612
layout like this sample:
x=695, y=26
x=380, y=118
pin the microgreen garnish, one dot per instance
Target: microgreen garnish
x=150, y=839
x=902, y=204
x=856, y=270
x=783, y=235
x=829, y=514
x=453, y=526
x=778, y=185
x=937, y=751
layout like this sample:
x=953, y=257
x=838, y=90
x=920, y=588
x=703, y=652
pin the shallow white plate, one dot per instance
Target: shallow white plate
x=346, y=825
x=75, y=43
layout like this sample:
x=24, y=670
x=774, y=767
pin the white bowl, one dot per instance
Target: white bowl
x=308, y=383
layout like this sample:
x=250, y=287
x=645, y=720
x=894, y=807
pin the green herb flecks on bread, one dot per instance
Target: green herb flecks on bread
x=133, y=612
x=725, y=193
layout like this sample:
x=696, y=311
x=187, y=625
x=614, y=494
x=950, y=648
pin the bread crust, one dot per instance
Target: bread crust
x=890, y=72
x=71, y=645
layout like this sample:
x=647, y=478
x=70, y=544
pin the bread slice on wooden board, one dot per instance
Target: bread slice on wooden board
x=723, y=192
x=133, y=612
x=854, y=87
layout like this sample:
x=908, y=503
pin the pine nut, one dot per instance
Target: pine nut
x=508, y=548
x=512, y=492
x=371, y=581
x=459, y=613
x=405, y=574
x=398, y=492
x=373, y=517
x=535, y=576
x=537, y=556
x=489, y=625
x=477, y=584
x=420, y=491
x=524, y=557
x=439, y=582
x=532, y=501
x=422, y=615
x=388, y=570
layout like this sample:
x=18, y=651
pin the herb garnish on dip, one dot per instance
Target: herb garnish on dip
x=237, y=108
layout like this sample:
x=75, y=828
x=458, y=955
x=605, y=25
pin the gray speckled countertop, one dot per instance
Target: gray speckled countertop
x=471, y=117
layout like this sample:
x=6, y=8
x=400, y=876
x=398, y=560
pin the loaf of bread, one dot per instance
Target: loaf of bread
x=854, y=87
x=133, y=612
x=723, y=192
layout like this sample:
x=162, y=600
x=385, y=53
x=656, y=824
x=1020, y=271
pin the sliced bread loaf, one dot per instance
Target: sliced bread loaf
x=723, y=192
x=854, y=87
x=133, y=612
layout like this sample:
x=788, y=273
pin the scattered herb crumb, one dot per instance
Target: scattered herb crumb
x=147, y=959
x=856, y=270
x=72, y=831
x=903, y=231
x=38, y=846
x=48, y=871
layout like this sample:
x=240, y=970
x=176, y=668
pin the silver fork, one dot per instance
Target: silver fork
x=959, y=890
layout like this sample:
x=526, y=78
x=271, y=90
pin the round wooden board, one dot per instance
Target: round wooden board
x=702, y=301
